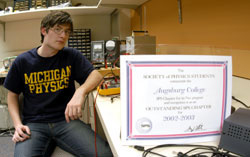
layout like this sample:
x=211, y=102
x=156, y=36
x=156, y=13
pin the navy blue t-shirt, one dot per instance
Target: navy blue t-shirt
x=47, y=83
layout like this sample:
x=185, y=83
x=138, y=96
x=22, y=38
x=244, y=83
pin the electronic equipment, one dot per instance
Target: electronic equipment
x=7, y=62
x=97, y=51
x=112, y=50
x=105, y=53
x=235, y=136
x=110, y=86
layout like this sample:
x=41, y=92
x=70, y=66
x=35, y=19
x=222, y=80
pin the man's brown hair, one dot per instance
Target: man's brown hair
x=55, y=18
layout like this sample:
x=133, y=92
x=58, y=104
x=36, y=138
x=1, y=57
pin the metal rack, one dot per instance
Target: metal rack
x=81, y=40
x=57, y=2
x=21, y=5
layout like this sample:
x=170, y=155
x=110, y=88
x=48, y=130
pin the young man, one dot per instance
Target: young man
x=52, y=107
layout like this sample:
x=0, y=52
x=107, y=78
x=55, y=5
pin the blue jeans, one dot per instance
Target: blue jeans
x=75, y=137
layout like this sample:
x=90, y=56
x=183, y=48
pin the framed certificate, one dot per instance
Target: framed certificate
x=174, y=98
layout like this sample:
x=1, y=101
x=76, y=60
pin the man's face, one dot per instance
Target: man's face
x=56, y=37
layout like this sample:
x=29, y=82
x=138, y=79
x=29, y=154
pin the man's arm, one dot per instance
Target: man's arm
x=74, y=107
x=21, y=131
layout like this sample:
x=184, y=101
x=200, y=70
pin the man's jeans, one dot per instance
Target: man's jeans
x=75, y=137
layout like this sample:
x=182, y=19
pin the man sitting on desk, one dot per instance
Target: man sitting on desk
x=52, y=107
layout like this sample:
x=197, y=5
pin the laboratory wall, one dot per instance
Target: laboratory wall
x=216, y=27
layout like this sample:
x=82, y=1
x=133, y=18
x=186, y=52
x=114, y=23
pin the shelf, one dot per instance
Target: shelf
x=40, y=13
x=82, y=10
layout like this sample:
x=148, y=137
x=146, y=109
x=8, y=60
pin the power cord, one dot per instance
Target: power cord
x=204, y=151
x=7, y=132
x=240, y=102
x=95, y=121
x=113, y=97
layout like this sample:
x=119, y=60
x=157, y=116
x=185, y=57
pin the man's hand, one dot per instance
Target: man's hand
x=22, y=133
x=74, y=107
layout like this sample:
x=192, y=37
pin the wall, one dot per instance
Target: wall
x=115, y=23
x=124, y=24
x=218, y=27
x=120, y=23
x=24, y=35
x=99, y=25
x=240, y=90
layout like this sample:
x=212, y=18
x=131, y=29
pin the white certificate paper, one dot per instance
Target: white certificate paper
x=174, y=98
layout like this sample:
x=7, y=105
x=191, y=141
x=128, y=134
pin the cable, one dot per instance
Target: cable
x=7, y=132
x=95, y=114
x=94, y=105
x=113, y=97
x=214, y=151
x=197, y=149
x=116, y=61
x=240, y=102
x=145, y=153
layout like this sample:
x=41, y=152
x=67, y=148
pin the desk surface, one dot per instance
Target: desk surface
x=109, y=114
x=110, y=117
